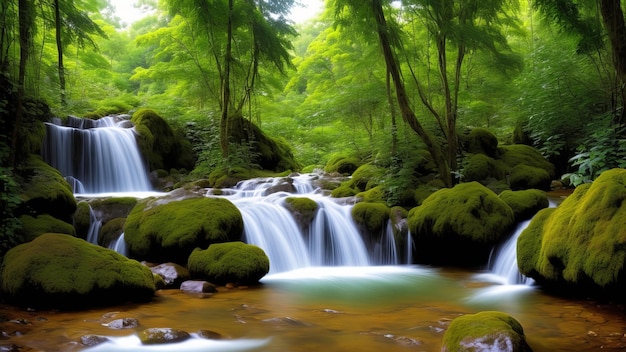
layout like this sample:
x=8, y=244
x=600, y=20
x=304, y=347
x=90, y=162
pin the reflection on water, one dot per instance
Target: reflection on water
x=337, y=309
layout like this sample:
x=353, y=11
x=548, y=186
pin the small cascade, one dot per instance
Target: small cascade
x=331, y=239
x=119, y=245
x=95, y=224
x=96, y=156
x=503, y=260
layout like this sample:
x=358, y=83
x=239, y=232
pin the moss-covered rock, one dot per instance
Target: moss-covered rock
x=302, y=208
x=423, y=191
x=163, y=147
x=485, y=331
x=342, y=164
x=581, y=245
x=344, y=190
x=482, y=141
x=103, y=209
x=525, y=203
x=459, y=225
x=273, y=153
x=159, y=336
x=372, y=217
x=480, y=167
x=32, y=227
x=45, y=191
x=168, y=230
x=111, y=231
x=58, y=270
x=373, y=195
x=526, y=176
x=232, y=262
x=366, y=177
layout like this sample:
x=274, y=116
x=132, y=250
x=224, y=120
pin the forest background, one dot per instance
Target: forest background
x=376, y=80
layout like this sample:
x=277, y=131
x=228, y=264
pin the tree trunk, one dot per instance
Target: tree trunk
x=613, y=18
x=226, y=83
x=25, y=30
x=61, y=68
x=403, y=100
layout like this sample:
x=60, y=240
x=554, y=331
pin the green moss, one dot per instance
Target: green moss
x=161, y=231
x=82, y=219
x=57, y=270
x=373, y=195
x=342, y=164
x=344, y=190
x=583, y=241
x=489, y=331
x=459, y=225
x=302, y=208
x=32, y=227
x=525, y=177
x=373, y=217
x=516, y=154
x=232, y=262
x=228, y=177
x=111, y=231
x=366, y=177
x=482, y=141
x=525, y=203
x=45, y=191
x=479, y=167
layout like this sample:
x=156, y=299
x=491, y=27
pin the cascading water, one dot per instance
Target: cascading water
x=503, y=261
x=96, y=156
x=332, y=238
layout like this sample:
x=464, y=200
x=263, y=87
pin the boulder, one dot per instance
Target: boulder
x=197, y=286
x=580, y=246
x=173, y=274
x=158, y=336
x=168, y=230
x=483, y=332
x=460, y=225
x=35, y=226
x=232, y=262
x=525, y=203
x=303, y=209
x=61, y=271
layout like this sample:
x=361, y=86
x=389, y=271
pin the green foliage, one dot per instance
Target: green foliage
x=61, y=271
x=9, y=202
x=231, y=262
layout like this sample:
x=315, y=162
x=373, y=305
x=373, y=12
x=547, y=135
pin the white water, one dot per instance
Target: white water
x=503, y=261
x=96, y=156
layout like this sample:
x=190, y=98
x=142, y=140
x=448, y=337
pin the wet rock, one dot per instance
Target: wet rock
x=173, y=274
x=197, y=286
x=9, y=347
x=124, y=323
x=286, y=321
x=210, y=335
x=92, y=340
x=157, y=336
x=403, y=340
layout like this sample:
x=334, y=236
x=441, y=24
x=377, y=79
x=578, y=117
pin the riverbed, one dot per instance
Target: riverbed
x=378, y=308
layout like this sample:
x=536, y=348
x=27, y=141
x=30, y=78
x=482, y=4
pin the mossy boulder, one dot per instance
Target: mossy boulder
x=480, y=167
x=373, y=195
x=302, y=208
x=61, y=271
x=111, y=231
x=344, y=190
x=525, y=203
x=104, y=209
x=272, y=153
x=44, y=190
x=482, y=141
x=366, y=177
x=168, y=230
x=163, y=147
x=526, y=176
x=529, y=169
x=342, y=164
x=459, y=225
x=160, y=336
x=372, y=217
x=581, y=245
x=32, y=227
x=232, y=262
x=485, y=331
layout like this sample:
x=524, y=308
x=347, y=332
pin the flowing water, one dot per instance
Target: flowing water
x=328, y=289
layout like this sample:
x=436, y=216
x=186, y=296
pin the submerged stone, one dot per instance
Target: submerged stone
x=158, y=336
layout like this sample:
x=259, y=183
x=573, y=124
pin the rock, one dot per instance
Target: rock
x=168, y=230
x=196, y=286
x=579, y=247
x=9, y=347
x=124, y=323
x=222, y=263
x=92, y=340
x=459, y=225
x=303, y=209
x=525, y=203
x=173, y=274
x=157, y=336
x=483, y=332
x=61, y=271
x=210, y=335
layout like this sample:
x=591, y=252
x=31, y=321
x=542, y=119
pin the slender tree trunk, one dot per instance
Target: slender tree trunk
x=392, y=109
x=613, y=18
x=61, y=68
x=403, y=100
x=25, y=31
x=226, y=83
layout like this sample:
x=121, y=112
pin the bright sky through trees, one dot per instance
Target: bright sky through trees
x=128, y=13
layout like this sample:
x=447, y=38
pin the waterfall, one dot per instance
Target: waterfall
x=503, y=260
x=96, y=156
x=331, y=239
x=119, y=245
x=95, y=224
